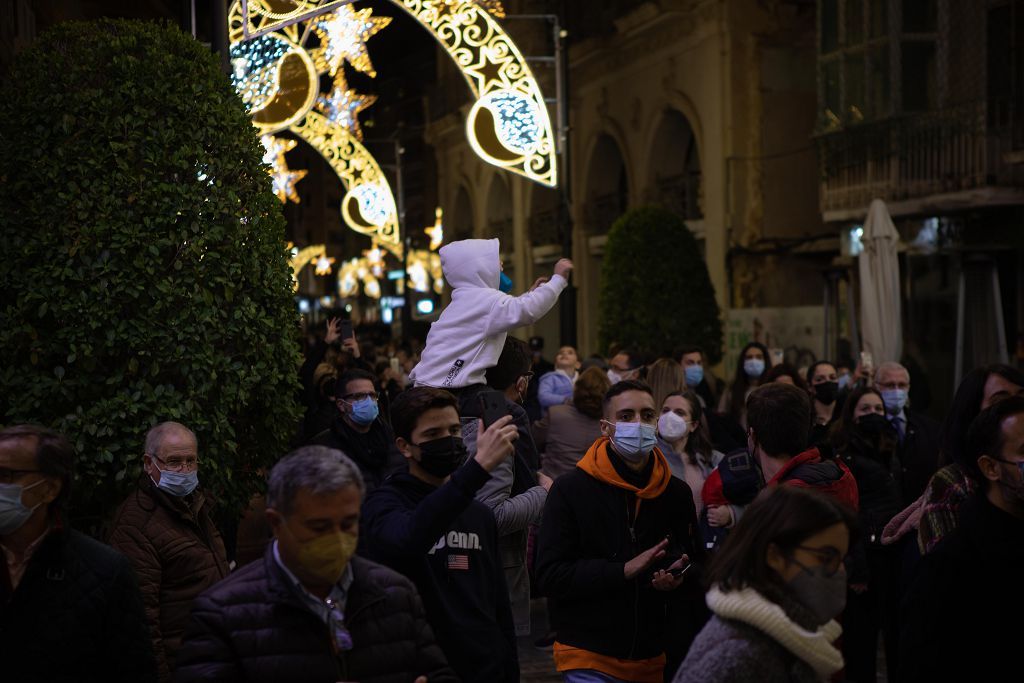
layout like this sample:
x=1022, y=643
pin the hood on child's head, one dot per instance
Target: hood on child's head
x=471, y=263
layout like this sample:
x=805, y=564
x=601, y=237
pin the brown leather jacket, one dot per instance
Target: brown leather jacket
x=176, y=552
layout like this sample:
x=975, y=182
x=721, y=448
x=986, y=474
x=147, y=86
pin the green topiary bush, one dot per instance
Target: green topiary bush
x=145, y=274
x=656, y=294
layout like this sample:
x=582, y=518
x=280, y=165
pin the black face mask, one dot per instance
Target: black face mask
x=873, y=425
x=826, y=392
x=441, y=457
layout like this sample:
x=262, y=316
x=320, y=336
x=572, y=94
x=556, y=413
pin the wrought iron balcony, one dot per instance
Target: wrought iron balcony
x=913, y=156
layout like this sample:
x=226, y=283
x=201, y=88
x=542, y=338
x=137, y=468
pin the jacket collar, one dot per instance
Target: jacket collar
x=597, y=463
x=175, y=505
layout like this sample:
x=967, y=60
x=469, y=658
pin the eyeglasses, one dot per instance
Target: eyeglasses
x=9, y=476
x=178, y=464
x=360, y=396
x=830, y=558
x=342, y=638
x=1018, y=463
x=905, y=386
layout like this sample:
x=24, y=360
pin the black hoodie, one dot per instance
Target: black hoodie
x=447, y=544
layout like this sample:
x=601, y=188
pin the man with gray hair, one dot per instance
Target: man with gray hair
x=310, y=610
x=920, y=436
x=165, y=529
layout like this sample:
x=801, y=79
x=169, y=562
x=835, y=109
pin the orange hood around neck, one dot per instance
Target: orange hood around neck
x=597, y=463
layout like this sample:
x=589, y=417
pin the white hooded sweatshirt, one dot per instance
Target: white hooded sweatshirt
x=468, y=337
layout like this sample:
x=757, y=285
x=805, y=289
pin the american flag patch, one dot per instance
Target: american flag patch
x=458, y=562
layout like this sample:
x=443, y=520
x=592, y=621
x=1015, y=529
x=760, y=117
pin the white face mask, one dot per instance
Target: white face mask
x=614, y=377
x=671, y=426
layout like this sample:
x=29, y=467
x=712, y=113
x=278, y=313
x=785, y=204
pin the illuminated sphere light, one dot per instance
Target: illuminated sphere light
x=516, y=120
x=372, y=203
x=256, y=66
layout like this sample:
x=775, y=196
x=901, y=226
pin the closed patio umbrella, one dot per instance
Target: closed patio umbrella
x=881, y=324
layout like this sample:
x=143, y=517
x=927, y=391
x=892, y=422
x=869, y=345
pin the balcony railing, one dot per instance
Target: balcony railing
x=933, y=153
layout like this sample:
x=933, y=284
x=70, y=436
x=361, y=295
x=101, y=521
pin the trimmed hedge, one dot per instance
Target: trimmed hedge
x=145, y=275
x=656, y=294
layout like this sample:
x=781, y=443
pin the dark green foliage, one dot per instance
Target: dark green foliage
x=144, y=273
x=655, y=291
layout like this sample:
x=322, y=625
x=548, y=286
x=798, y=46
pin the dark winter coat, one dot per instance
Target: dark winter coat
x=586, y=538
x=960, y=619
x=447, y=543
x=918, y=454
x=253, y=627
x=374, y=452
x=177, y=553
x=75, y=617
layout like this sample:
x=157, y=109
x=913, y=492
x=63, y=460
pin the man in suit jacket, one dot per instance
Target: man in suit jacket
x=920, y=436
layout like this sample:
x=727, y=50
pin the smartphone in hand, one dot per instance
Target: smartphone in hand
x=679, y=571
x=492, y=407
x=346, y=329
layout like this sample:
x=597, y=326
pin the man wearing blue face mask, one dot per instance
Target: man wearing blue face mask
x=360, y=431
x=919, y=435
x=166, y=530
x=617, y=537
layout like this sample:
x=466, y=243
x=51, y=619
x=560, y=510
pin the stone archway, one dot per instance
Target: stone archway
x=675, y=167
x=607, y=187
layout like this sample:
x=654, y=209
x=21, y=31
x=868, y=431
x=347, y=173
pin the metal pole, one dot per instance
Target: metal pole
x=219, y=39
x=406, y=241
x=960, y=306
x=851, y=315
x=567, y=309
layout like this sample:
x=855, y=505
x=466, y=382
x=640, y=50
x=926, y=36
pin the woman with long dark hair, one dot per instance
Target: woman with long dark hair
x=750, y=368
x=866, y=441
x=777, y=585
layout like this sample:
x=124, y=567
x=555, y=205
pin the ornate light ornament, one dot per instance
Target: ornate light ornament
x=284, y=178
x=509, y=125
x=436, y=231
x=278, y=73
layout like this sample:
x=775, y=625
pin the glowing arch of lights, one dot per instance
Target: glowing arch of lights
x=277, y=74
x=509, y=125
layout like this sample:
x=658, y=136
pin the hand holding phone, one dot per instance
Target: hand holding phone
x=346, y=329
x=679, y=571
x=492, y=407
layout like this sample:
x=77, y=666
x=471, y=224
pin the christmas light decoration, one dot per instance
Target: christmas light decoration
x=284, y=179
x=323, y=265
x=343, y=35
x=343, y=105
x=302, y=258
x=509, y=124
x=436, y=231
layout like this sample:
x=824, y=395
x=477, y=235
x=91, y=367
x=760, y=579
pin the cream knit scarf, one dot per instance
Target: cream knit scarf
x=813, y=647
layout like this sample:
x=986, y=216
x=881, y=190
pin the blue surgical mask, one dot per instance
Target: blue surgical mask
x=364, y=411
x=634, y=440
x=13, y=513
x=505, y=283
x=894, y=400
x=754, y=367
x=694, y=375
x=178, y=484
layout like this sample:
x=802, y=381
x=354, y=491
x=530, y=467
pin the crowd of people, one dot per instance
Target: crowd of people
x=775, y=528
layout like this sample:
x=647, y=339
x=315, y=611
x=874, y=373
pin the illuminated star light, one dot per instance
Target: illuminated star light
x=284, y=178
x=436, y=231
x=323, y=265
x=489, y=71
x=343, y=105
x=343, y=35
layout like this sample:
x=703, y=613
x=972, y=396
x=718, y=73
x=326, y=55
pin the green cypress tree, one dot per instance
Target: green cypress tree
x=656, y=294
x=145, y=274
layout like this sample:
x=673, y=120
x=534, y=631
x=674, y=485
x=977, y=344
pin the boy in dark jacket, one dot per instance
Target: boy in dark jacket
x=427, y=525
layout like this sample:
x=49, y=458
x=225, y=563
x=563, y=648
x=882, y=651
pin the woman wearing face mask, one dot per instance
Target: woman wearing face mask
x=867, y=442
x=777, y=585
x=753, y=362
x=683, y=438
x=824, y=389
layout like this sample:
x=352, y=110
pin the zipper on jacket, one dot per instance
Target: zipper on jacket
x=631, y=523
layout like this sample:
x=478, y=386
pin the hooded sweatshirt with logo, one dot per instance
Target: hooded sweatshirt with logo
x=446, y=543
x=597, y=518
x=468, y=336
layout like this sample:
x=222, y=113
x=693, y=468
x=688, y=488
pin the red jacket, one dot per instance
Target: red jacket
x=808, y=469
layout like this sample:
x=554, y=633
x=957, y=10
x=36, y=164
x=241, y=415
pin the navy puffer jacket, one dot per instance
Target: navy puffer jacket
x=252, y=627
